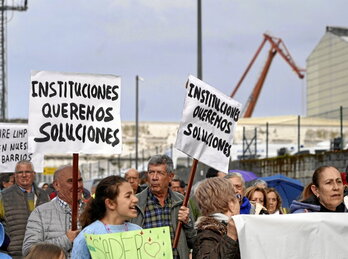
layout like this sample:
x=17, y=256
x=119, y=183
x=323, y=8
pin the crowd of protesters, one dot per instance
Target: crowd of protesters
x=37, y=223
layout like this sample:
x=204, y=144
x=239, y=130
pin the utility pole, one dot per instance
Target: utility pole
x=199, y=40
x=137, y=79
x=22, y=6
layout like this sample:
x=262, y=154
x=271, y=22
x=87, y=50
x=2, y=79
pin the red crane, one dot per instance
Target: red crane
x=277, y=46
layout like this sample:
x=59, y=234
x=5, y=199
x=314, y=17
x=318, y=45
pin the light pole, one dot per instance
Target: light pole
x=137, y=78
x=199, y=40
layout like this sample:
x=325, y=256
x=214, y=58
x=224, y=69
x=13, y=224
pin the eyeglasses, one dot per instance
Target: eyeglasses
x=24, y=172
x=238, y=196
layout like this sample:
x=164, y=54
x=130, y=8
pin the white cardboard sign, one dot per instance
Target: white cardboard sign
x=14, y=148
x=207, y=125
x=74, y=113
x=295, y=236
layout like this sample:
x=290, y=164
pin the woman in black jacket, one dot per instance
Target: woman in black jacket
x=216, y=231
x=324, y=194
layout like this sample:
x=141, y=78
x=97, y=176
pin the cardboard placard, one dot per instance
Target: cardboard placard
x=14, y=148
x=74, y=113
x=144, y=243
x=207, y=125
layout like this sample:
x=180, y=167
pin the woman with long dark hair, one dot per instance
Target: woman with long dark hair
x=108, y=212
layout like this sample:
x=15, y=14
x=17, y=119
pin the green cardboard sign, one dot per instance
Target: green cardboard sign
x=138, y=244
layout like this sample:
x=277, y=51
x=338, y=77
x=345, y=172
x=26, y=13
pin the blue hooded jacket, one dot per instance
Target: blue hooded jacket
x=245, y=206
x=299, y=207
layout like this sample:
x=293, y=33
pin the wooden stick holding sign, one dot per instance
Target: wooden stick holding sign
x=75, y=191
x=206, y=130
x=186, y=199
x=76, y=114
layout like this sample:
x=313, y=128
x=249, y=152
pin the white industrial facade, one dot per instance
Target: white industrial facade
x=327, y=75
x=159, y=137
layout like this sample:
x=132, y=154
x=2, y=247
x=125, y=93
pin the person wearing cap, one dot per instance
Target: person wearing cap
x=16, y=204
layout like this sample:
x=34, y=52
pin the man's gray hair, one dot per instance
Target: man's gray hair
x=162, y=160
x=234, y=175
x=259, y=182
x=24, y=162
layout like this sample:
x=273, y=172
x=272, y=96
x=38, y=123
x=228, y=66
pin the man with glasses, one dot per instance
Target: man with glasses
x=132, y=176
x=159, y=206
x=238, y=183
x=16, y=204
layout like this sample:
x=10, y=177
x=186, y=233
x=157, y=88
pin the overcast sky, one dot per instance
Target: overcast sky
x=156, y=39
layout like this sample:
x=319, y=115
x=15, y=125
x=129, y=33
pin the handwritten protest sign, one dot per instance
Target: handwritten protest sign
x=74, y=113
x=296, y=236
x=207, y=125
x=139, y=244
x=14, y=148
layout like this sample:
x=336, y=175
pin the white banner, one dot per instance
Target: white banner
x=75, y=113
x=293, y=236
x=207, y=125
x=14, y=148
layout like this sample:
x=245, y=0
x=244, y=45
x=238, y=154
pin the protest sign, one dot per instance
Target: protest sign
x=14, y=148
x=207, y=125
x=296, y=236
x=138, y=244
x=74, y=113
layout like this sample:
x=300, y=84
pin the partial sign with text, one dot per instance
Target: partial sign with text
x=14, y=148
x=208, y=124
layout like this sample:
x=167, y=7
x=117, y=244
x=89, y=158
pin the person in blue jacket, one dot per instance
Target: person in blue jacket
x=4, y=242
x=108, y=212
x=238, y=183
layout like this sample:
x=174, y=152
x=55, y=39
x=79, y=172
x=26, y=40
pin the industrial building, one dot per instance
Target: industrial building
x=327, y=77
x=312, y=134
